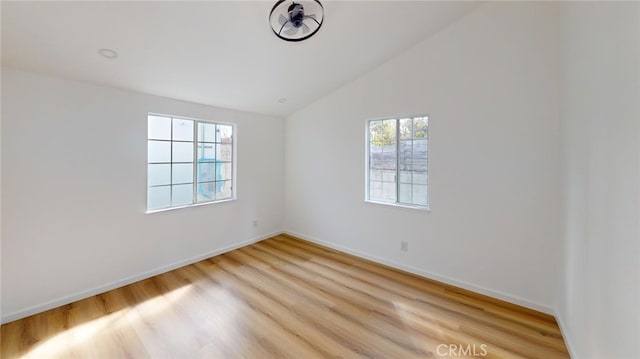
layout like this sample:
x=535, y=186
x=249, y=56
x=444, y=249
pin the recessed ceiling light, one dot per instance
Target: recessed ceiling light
x=282, y=100
x=108, y=53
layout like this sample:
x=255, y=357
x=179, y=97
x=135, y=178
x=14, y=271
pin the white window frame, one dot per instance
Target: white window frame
x=234, y=166
x=397, y=203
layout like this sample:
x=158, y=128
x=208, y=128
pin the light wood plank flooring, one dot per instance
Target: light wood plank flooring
x=285, y=298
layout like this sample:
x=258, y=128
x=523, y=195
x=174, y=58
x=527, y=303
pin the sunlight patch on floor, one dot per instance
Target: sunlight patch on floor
x=409, y=318
x=104, y=327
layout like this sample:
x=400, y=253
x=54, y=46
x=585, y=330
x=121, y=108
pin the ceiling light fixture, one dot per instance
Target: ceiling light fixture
x=296, y=21
x=108, y=53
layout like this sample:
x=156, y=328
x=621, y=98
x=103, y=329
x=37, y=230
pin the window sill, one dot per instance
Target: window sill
x=190, y=205
x=401, y=205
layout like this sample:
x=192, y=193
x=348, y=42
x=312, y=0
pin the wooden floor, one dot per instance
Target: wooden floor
x=285, y=298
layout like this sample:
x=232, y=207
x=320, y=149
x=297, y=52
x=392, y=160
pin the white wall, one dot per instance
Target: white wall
x=74, y=191
x=600, y=293
x=490, y=85
x=0, y=199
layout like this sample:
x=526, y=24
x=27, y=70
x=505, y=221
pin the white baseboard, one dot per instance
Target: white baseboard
x=565, y=334
x=122, y=282
x=431, y=275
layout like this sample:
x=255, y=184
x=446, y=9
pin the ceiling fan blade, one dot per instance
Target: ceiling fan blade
x=312, y=17
x=282, y=19
x=291, y=31
x=305, y=29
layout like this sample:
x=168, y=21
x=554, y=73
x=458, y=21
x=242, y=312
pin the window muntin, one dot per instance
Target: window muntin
x=189, y=162
x=397, y=161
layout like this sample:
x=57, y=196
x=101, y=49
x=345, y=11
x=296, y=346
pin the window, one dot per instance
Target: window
x=397, y=161
x=188, y=162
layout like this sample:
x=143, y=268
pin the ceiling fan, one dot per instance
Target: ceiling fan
x=296, y=21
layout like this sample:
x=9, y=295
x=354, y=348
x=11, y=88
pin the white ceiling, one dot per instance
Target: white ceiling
x=219, y=53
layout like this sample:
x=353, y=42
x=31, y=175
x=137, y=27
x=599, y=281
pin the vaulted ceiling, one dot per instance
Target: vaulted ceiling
x=220, y=53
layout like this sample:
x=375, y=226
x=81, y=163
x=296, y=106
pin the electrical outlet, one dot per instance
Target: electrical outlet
x=255, y=223
x=404, y=246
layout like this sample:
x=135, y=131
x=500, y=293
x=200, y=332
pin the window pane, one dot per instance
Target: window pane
x=420, y=178
x=419, y=194
x=182, y=151
x=405, y=192
x=182, y=130
x=420, y=149
x=159, y=151
x=182, y=173
x=382, y=132
x=389, y=191
x=375, y=191
x=181, y=194
x=159, y=174
x=405, y=129
x=159, y=128
x=224, y=133
x=223, y=171
x=405, y=164
x=206, y=191
x=206, y=152
x=206, y=132
x=158, y=197
x=206, y=171
x=224, y=152
x=374, y=129
x=389, y=176
x=420, y=165
x=420, y=129
x=406, y=177
x=223, y=190
x=404, y=156
x=389, y=165
x=405, y=148
x=389, y=154
x=375, y=158
x=375, y=175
